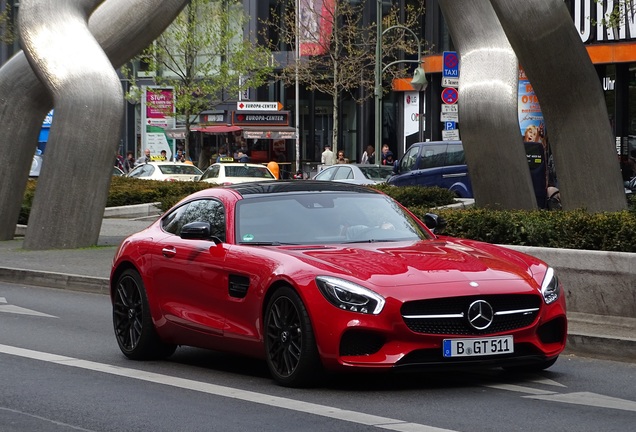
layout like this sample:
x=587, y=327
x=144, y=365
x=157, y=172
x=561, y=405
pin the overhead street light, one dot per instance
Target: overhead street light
x=418, y=82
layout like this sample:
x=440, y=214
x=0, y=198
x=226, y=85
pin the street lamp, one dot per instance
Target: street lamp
x=418, y=82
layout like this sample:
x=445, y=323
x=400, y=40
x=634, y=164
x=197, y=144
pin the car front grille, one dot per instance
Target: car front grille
x=450, y=315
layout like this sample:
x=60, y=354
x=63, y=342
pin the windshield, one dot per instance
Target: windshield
x=378, y=173
x=318, y=218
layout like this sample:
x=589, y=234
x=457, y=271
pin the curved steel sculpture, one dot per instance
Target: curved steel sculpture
x=24, y=101
x=540, y=33
x=488, y=93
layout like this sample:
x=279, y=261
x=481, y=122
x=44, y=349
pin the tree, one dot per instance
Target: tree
x=7, y=33
x=206, y=58
x=621, y=10
x=337, y=49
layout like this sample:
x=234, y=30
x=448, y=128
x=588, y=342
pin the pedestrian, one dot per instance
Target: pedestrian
x=143, y=159
x=327, y=156
x=368, y=157
x=242, y=157
x=129, y=162
x=385, y=151
x=387, y=159
x=163, y=156
x=180, y=156
x=341, y=159
x=222, y=154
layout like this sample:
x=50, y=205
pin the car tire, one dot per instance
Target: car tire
x=134, y=330
x=290, y=345
x=534, y=367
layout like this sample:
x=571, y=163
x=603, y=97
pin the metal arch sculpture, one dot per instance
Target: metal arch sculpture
x=540, y=33
x=70, y=199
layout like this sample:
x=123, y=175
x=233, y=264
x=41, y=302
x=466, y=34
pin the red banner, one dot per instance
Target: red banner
x=316, y=22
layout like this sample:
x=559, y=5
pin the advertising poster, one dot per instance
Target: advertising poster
x=530, y=116
x=411, y=119
x=315, y=26
x=157, y=112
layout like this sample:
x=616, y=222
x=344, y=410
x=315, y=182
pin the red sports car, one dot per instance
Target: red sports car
x=314, y=276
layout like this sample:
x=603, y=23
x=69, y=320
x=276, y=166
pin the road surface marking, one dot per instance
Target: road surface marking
x=589, y=399
x=229, y=392
x=7, y=308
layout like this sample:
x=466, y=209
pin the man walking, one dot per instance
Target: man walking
x=327, y=156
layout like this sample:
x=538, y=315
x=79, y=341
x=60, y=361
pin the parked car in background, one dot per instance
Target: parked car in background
x=233, y=173
x=442, y=164
x=312, y=275
x=434, y=163
x=362, y=174
x=168, y=171
x=36, y=166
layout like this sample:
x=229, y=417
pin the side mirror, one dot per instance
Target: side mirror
x=396, y=167
x=198, y=231
x=434, y=222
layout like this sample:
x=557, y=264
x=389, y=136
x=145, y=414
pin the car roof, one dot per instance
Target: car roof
x=297, y=186
x=240, y=164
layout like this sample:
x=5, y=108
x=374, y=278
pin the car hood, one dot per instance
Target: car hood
x=416, y=263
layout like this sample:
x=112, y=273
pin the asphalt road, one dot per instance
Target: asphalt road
x=61, y=371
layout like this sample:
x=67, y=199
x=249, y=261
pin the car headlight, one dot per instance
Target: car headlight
x=550, y=287
x=350, y=296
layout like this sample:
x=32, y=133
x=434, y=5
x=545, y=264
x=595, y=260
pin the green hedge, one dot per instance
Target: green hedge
x=556, y=229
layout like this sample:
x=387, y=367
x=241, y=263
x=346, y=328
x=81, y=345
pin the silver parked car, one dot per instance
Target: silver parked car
x=362, y=174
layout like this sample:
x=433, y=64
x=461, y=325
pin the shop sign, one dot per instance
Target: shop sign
x=265, y=134
x=280, y=118
x=258, y=106
x=592, y=18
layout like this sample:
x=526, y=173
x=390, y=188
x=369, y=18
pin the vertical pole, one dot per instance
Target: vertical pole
x=378, y=81
x=297, y=87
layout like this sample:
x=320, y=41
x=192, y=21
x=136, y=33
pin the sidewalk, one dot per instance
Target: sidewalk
x=89, y=269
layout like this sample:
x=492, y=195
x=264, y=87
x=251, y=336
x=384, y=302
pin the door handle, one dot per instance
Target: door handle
x=169, y=252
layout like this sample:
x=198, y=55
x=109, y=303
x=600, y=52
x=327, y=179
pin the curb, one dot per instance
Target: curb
x=55, y=280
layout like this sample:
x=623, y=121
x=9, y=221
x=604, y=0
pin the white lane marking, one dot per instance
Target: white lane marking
x=229, y=392
x=66, y=425
x=590, y=399
x=519, y=389
x=7, y=308
x=547, y=381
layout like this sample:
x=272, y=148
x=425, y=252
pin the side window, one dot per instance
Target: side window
x=195, y=211
x=408, y=161
x=455, y=155
x=433, y=156
x=173, y=222
x=343, y=173
x=325, y=174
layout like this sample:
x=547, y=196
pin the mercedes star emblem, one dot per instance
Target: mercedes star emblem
x=480, y=314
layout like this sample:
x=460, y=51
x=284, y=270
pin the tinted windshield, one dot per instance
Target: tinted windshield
x=247, y=171
x=316, y=218
x=378, y=173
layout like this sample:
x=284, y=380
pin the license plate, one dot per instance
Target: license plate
x=478, y=347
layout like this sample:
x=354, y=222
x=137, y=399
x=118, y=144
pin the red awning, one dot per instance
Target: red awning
x=216, y=129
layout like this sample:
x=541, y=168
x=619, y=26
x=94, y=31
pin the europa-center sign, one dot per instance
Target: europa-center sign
x=242, y=118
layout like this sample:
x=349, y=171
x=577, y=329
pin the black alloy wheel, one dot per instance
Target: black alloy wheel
x=134, y=329
x=292, y=355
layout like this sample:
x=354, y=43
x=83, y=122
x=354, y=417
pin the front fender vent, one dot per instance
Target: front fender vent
x=238, y=286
